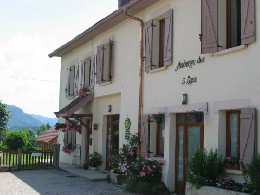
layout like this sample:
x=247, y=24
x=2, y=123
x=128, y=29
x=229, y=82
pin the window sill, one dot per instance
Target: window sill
x=230, y=50
x=158, y=69
x=235, y=172
x=106, y=83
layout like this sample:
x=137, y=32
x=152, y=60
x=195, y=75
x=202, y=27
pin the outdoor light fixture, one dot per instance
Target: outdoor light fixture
x=95, y=126
x=110, y=108
x=184, y=99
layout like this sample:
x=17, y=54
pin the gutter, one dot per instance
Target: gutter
x=140, y=107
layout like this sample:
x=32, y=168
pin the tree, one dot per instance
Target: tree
x=16, y=140
x=31, y=139
x=4, y=117
x=41, y=129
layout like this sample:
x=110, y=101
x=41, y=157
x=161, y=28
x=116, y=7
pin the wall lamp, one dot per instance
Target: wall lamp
x=184, y=99
x=110, y=108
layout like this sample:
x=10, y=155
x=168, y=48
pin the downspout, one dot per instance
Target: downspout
x=140, y=107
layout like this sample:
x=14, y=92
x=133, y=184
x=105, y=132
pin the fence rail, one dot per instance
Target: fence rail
x=27, y=159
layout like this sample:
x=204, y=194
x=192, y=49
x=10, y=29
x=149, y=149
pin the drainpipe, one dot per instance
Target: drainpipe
x=140, y=108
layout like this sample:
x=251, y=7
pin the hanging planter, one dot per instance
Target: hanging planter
x=157, y=117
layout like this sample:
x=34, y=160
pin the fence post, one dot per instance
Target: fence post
x=19, y=159
x=56, y=156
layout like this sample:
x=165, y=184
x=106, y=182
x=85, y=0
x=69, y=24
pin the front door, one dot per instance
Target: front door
x=112, y=142
x=189, y=137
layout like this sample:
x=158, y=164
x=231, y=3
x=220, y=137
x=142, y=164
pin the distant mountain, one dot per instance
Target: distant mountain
x=20, y=120
x=45, y=120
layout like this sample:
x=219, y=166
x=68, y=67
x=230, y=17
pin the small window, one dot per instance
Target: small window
x=104, y=63
x=233, y=134
x=70, y=139
x=158, y=41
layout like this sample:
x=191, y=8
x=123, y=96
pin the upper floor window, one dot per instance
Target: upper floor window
x=104, y=63
x=158, y=41
x=71, y=81
x=226, y=24
x=87, y=73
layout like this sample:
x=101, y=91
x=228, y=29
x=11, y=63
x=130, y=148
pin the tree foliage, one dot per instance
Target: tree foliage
x=4, y=117
x=16, y=140
x=42, y=129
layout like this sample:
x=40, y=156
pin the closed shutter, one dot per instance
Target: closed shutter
x=100, y=63
x=247, y=134
x=82, y=73
x=148, y=45
x=168, y=44
x=145, y=127
x=248, y=34
x=209, y=26
x=92, y=71
x=76, y=80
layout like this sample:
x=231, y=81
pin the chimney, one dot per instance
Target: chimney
x=121, y=3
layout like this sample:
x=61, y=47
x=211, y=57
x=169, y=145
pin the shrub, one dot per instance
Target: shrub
x=204, y=167
x=251, y=172
x=95, y=159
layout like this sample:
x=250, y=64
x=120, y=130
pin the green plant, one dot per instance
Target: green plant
x=251, y=172
x=114, y=164
x=95, y=159
x=204, y=166
x=16, y=140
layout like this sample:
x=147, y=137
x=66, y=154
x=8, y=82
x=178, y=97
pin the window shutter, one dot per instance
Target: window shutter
x=100, y=62
x=71, y=79
x=148, y=45
x=76, y=80
x=247, y=21
x=247, y=134
x=110, y=60
x=65, y=141
x=168, y=44
x=82, y=73
x=92, y=71
x=209, y=26
x=68, y=83
x=145, y=127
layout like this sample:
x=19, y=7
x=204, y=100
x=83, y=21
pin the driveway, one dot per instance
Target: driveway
x=52, y=182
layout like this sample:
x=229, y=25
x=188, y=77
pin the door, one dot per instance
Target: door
x=189, y=136
x=112, y=141
x=86, y=131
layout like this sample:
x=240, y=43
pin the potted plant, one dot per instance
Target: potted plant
x=231, y=163
x=95, y=160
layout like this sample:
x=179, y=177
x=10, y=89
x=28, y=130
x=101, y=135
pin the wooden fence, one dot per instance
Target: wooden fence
x=27, y=159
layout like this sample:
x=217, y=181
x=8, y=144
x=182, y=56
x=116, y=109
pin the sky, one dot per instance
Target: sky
x=29, y=31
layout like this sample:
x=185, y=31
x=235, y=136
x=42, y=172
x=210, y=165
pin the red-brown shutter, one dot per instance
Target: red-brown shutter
x=100, y=62
x=92, y=71
x=168, y=44
x=248, y=34
x=145, y=124
x=247, y=134
x=110, y=60
x=148, y=45
x=209, y=26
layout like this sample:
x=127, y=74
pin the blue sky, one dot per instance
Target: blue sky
x=30, y=30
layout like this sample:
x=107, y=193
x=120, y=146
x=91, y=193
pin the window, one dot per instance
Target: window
x=233, y=134
x=87, y=73
x=241, y=134
x=104, y=63
x=70, y=139
x=72, y=76
x=158, y=41
x=160, y=137
x=226, y=24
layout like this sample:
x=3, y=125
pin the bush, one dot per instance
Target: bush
x=204, y=166
x=95, y=159
x=16, y=140
x=251, y=172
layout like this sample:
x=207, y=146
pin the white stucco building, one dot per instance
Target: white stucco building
x=200, y=75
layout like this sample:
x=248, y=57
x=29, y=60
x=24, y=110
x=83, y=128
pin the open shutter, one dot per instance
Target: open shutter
x=76, y=80
x=110, y=60
x=71, y=80
x=168, y=44
x=145, y=127
x=100, y=62
x=247, y=21
x=92, y=71
x=65, y=140
x=247, y=134
x=209, y=26
x=82, y=73
x=68, y=83
x=148, y=45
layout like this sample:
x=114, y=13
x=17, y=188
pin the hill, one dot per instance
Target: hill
x=19, y=119
x=45, y=120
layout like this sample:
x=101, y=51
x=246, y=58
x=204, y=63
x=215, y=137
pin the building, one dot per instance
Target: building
x=200, y=81
x=48, y=139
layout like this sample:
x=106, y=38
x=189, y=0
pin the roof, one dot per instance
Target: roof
x=133, y=7
x=74, y=106
x=49, y=135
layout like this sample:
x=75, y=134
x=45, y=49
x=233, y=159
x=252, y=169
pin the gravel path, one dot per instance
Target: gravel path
x=53, y=182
